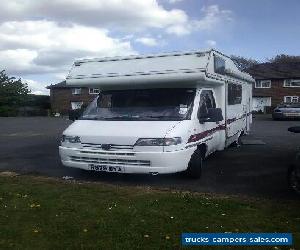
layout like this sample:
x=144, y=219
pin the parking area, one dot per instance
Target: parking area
x=30, y=146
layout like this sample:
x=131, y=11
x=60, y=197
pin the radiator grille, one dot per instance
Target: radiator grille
x=113, y=147
x=106, y=153
x=114, y=162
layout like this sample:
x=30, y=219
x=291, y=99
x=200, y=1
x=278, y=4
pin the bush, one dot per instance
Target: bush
x=32, y=111
x=8, y=111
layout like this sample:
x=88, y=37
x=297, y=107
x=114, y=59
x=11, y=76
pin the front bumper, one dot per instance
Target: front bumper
x=130, y=162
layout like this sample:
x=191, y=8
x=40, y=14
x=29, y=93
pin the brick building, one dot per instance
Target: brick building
x=275, y=83
x=64, y=98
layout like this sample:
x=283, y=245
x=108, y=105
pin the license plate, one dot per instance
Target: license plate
x=292, y=114
x=104, y=168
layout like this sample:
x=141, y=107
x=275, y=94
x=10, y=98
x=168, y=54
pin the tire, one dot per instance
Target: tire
x=238, y=142
x=294, y=179
x=194, y=169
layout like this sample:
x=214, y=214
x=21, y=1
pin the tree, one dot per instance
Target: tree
x=13, y=93
x=243, y=63
x=41, y=101
x=283, y=58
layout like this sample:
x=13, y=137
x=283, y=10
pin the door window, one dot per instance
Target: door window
x=207, y=101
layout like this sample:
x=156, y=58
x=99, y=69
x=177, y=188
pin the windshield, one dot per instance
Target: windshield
x=142, y=104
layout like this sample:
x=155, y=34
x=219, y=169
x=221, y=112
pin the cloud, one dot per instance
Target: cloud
x=18, y=61
x=148, y=41
x=31, y=47
x=37, y=88
x=179, y=30
x=211, y=43
x=117, y=14
x=175, y=1
x=42, y=37
x=213, y=18
x=39, y=37
x=114, y=15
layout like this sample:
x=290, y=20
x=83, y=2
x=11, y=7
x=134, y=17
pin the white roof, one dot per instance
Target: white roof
x=151, y=69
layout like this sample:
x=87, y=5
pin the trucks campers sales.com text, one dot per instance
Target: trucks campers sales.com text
x=236, y=239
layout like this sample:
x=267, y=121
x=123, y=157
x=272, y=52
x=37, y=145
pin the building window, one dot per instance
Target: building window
x=234, y=94
x=291, y=99
x=76, y=105
x=291, y=83
x=94, y=91
x=263, y=84
x=76, y=91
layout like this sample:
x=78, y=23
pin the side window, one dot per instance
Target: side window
x=219, y=65
x=207, y=101
x=234, y=94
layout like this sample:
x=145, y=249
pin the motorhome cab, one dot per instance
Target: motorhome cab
x=157, y=114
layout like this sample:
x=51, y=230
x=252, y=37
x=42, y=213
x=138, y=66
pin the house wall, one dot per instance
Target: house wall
x=61, y=99
x=277, y=92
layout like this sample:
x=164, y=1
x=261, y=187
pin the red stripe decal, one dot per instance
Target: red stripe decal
x=231, y=120
x=197, y=137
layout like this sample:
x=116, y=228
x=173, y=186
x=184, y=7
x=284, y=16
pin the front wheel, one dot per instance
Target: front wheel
x=294, y=179
x=194, y=169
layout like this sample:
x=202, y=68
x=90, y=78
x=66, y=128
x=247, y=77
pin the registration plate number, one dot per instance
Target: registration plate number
x=104, y=168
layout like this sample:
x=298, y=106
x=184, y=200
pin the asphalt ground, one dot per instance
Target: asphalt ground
x=29, y=145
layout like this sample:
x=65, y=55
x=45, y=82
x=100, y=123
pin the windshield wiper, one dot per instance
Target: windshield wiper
x=163, y=117
x=124, y=117
x=120, y=117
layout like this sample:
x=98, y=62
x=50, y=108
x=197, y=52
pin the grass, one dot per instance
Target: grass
x=41, y=213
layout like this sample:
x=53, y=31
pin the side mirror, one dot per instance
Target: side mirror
x=74, y=114
x=213, y=115
x=294, y=129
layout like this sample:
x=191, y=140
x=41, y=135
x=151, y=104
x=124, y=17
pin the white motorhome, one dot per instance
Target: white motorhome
x=157, y=113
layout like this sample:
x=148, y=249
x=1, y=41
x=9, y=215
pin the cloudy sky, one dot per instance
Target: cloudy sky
x=40, y=39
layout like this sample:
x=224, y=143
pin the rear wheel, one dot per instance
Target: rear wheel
x=238, y=141
x=194, y=169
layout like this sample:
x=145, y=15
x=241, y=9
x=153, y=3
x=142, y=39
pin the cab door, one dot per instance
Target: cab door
x=210, y=131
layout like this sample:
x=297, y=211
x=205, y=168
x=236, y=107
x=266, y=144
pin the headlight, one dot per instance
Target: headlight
x=158, y=141
x=70, y=139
